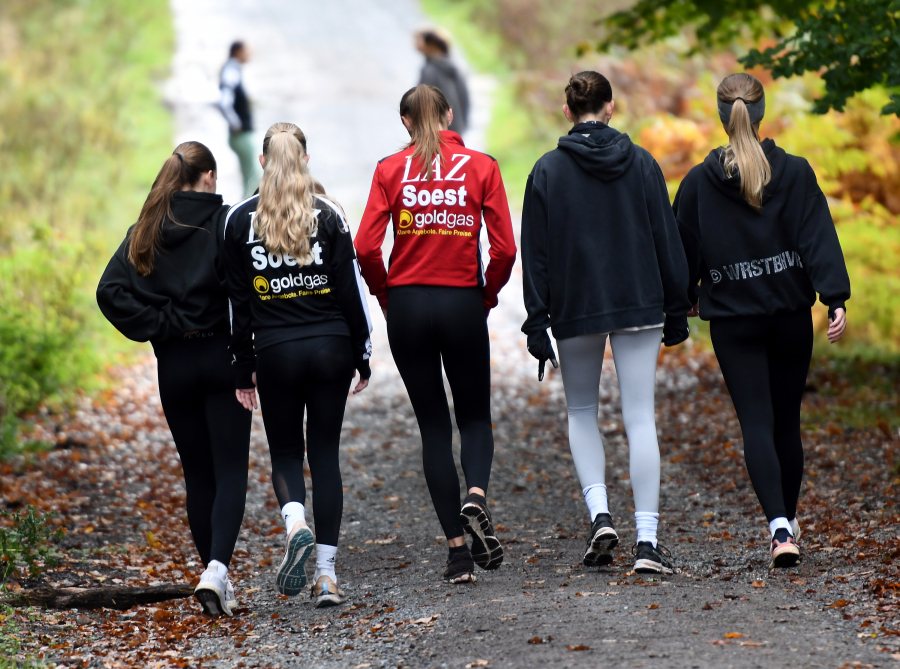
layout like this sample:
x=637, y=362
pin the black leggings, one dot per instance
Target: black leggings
x=765, y=360
x=428, y=325
x=212, y=435
x=313, y=375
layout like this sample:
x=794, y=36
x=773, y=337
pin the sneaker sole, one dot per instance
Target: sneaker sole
x=291, y=578
x=486, y=549
x=210, y=600
x=599, y=553
x=466, y=577
x=644, y=566
x=323, y=601
x=785, y=558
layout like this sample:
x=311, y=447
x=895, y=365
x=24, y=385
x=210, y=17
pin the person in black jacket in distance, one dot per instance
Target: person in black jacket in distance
x=300, y=322
x=601, y=257
x=165, y=284
x=761, y=243
x=440, y=72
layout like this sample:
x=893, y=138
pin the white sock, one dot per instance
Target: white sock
x=325, y=556
x=779, y=523
x=647, y=523
x=292, y=512
x=220, y=569
x=595, y=497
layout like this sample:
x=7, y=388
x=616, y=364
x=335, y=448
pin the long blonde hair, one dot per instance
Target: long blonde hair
x=285, y=218
x=743, y=151
x=425, y=107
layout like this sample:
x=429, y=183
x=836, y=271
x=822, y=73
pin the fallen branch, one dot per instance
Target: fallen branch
x=115, y=597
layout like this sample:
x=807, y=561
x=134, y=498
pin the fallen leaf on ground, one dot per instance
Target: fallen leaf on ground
x=477, y=663
x=733, y=635
x=579, y=647
x=839, y=604
x=759, y=584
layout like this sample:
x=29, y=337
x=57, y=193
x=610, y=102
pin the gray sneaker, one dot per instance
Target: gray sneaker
x=291, y=577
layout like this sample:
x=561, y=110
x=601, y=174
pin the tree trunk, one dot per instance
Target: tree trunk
x=114, y=597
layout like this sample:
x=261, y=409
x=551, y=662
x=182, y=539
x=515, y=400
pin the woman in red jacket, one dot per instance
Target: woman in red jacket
x=436, y=297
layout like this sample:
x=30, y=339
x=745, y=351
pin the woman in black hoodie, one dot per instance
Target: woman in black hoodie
x=165, y=285
x=601, y=257
x=761, y=243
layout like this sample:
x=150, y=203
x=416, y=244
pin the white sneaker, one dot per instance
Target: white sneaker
x=211, y=592
x=230, y=599
x=795, y=530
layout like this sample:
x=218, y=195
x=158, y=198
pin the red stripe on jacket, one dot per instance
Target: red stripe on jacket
x=437, y=223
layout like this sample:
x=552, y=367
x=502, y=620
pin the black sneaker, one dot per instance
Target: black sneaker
x=600, y=542
x=476, y=520
x=650, y=560
x=460, y=568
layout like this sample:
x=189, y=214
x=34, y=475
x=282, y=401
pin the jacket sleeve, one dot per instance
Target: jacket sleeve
x=238, y=283
x=820, y=249
x=670, y=256
x=689, y=230
x=535, y=257
x=370, y=238
x=134, y=319
x=350, y=294
x=495, y=209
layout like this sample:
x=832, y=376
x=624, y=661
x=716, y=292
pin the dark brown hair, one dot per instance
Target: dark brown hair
x=189, y=162
x=587, y=93
x=425, y=106
x=235, y=48
x=431, y=38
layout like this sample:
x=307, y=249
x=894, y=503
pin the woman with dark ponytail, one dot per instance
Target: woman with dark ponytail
x=436, y=297
x=761, y=243
x=165, y=285
x=601, y=259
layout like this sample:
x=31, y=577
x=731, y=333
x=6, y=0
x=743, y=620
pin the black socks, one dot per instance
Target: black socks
x=457, y=550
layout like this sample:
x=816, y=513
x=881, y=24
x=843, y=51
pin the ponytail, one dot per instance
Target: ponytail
x=189, y=162
x=744, y=153
x=285, y=220
x=425, y=107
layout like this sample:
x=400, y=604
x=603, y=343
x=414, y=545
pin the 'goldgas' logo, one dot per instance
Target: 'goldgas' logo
x=406, y=218
x=261, y=285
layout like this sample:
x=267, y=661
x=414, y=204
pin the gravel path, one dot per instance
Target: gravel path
x=120, y=477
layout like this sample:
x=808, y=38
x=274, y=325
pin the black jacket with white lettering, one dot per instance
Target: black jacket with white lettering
x=600, y=248
x=186, y=289
x=759, y=263
x=274, y=300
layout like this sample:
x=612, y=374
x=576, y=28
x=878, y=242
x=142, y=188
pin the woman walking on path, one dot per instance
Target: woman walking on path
x=165, y=285
x=300, y=323
x=601, y=257
x=436, y=297
x=760, y=240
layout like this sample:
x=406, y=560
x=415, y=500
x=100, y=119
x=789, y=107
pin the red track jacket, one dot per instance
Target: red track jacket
x=437, y=223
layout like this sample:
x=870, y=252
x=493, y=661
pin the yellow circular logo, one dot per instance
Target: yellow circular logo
x=406, y=218
x=261, y=285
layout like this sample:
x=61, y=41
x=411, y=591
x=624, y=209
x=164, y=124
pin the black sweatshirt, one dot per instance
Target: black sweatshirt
x=759, y=263
x=600, y=247
x=186, y=289
x=274, y=300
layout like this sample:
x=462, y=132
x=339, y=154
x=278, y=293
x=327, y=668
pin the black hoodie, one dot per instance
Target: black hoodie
x=600, y=247
x=759, y=263
x=186, y=289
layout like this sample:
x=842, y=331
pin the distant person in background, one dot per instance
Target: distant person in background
x=236, y=107
x=440, y=72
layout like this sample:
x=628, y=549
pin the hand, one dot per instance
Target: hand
x=361, y=385
x=837, y=326
x=247, y=398
x=695, y=311
x=540, y=347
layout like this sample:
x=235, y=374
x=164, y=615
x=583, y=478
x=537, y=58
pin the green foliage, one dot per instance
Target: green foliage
x=717, y=22
x=27, y=542
x=855, y=42
x=79, y=113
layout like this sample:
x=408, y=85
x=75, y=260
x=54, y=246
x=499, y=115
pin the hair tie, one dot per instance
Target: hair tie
x=180, y=157
x=756, y=109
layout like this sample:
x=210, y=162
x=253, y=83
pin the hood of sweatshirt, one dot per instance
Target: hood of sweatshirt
x=599, y=150
x=443, y=63
x=714, y=169
x=194, y=212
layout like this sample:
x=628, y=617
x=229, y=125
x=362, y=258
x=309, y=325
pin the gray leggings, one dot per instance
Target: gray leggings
x=581, y=361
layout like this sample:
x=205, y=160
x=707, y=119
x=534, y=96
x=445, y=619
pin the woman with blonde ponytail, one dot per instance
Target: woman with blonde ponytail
x=436, y=296
x=761, y=243
x=300, y=332
x=165, y=285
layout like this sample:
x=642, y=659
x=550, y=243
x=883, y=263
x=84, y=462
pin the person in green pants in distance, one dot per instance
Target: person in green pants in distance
x=235, y=107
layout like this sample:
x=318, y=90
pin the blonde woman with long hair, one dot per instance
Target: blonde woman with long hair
x=761, y=243
x=300, y=332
